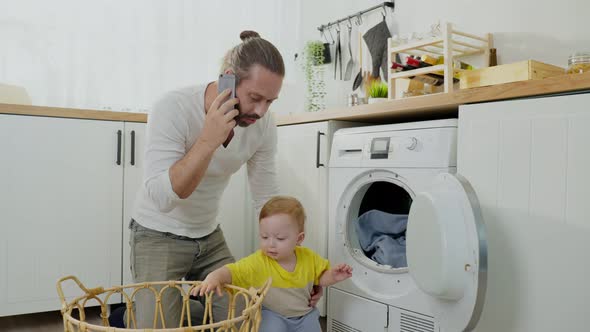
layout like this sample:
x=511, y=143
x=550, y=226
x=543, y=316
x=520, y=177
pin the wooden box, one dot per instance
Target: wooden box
x=518, y=71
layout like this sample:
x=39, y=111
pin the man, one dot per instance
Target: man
x=174, y=232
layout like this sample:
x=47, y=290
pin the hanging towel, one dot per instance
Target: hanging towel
x=376, y=40
x=383, y=235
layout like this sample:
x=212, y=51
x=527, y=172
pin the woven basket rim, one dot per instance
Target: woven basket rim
x=252, y=298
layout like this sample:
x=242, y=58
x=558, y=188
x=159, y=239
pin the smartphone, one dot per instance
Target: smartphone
x=227, y=81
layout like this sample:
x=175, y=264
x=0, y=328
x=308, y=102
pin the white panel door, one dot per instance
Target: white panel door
x=302, y=165
x=60, y=208
x=132, y=180
x=236, y=216
x=528, y=162
x=302, y=173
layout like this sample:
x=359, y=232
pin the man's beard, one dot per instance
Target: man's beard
x=239, y=119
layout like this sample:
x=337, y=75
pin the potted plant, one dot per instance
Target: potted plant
x=377, y=92
x=313, y=59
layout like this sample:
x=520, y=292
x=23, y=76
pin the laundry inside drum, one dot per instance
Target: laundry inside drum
x=379, y=226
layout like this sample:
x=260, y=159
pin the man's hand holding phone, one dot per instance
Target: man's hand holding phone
x=219, y=120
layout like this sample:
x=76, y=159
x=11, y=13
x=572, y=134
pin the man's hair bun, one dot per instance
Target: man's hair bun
x=247, y=34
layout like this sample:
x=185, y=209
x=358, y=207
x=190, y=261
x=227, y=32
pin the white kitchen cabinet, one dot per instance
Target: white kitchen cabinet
x=236, y=215
x=528, y=162
x=132, y=179
x=64, y=188
x=302, y=158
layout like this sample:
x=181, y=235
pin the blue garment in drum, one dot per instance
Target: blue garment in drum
x=383, y=235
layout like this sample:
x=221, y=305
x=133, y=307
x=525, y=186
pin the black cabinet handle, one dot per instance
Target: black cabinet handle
x=119, y=133
x=317, y=150
x=133, y=148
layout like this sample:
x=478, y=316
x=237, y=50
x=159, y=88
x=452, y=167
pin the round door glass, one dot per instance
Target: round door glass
x=376, y=220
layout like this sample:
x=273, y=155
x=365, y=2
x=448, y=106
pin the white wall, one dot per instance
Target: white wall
x=125, y=54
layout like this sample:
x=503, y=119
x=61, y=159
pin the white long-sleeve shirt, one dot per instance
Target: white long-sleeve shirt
x=173, y=127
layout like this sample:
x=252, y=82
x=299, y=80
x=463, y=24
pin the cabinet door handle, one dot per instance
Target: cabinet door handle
x=317, y=150
x=119, y=133
x=132, y=148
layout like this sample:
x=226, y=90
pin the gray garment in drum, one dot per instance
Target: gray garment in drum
x=383, y=235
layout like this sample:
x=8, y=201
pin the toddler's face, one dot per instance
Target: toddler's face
x=279, y=235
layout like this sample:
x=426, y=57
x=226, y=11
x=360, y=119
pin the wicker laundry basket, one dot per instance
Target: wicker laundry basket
x=74, y=315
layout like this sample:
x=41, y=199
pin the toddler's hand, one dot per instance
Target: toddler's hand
x=341, y=272
x=208, y=285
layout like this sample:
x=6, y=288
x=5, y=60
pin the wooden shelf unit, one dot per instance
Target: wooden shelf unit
x=452, y=45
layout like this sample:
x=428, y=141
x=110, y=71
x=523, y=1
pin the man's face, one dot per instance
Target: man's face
x=256, y=93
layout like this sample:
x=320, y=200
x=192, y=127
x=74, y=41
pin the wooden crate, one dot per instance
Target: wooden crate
x=518, y=71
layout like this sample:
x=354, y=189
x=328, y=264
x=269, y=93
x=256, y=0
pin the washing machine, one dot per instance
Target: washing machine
x=406, y=169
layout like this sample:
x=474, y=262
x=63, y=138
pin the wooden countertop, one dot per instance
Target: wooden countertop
x=443, y=104
x=72, y=113
x=432, y=106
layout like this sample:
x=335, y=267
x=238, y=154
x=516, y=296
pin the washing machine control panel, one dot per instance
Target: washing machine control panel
x=380, y=147
x=396, y=145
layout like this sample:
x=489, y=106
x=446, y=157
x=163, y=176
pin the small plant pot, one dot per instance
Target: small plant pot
x=376, y=100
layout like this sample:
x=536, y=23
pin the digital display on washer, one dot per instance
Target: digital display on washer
x=380, y=148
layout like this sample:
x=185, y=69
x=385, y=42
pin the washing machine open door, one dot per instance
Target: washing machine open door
x=447, y=251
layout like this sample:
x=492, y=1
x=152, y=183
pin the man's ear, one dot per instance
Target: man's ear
x=300, y=238
x=228, y=71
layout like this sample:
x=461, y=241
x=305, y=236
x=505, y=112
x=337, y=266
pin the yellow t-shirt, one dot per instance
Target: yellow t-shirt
x=290, y=291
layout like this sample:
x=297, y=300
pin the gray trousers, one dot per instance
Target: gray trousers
x=157, y=256
x=274, y=322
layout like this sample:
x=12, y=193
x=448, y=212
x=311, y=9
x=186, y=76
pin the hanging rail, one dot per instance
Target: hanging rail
x=387, y=4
